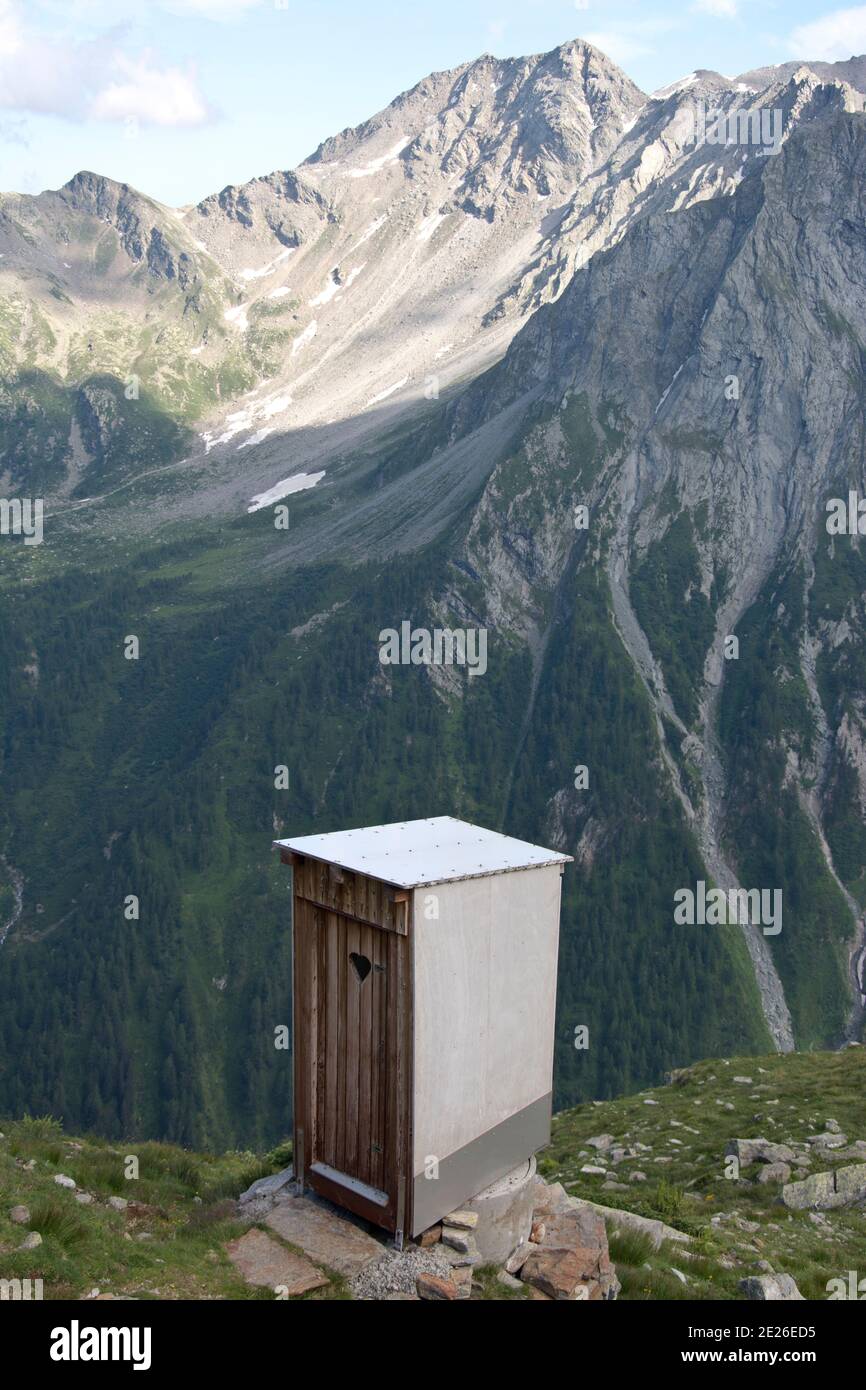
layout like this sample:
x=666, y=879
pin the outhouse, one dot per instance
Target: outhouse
x=424, y=993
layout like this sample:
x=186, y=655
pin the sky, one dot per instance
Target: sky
x=181, y=97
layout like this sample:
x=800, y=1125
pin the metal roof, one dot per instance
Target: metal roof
x=411, y=853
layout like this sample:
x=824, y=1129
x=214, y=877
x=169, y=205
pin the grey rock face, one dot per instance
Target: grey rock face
x=759, y=1151
x=771, y=1288
x=823, y=1191
x=268, y=1187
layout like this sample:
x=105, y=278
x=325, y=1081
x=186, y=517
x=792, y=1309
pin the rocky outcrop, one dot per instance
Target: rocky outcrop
x=843, y=1187
x=570, y=1258
x=616, y=1220
x=759, y=1151
x=771, y=1288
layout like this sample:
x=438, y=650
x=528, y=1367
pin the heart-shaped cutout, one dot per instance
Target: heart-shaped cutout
x=361, y=965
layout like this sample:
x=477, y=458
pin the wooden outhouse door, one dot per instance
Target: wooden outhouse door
x=350, y=1042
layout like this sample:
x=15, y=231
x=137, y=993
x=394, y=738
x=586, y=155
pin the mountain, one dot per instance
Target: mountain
x=523, y=289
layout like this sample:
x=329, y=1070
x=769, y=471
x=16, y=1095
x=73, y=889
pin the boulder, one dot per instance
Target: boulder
x=516, y=1261
x=851, y=1184
x=20, y=1215
x=770, y=1288
x=616, y=1220
x=549, y=1198
x=466, y=1220
x=267, y=1187
x=457, y=1238
x=572, y=1262
x=561, y=1274
x=830, y=1140
x=758, y=1151
x=602, y=1142
x=823, y=1191
x=775, y=1172
x=467, y=1256
x=431, y=1287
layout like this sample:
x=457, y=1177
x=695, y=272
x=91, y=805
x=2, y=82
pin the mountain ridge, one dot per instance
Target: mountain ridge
x=671, y=345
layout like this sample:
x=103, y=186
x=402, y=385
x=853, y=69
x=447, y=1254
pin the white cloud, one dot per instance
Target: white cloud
x=581, y=4
x=721, y=9
x=621, y=47
x=839, y=34
x=217, y=10
x=630, y=38
x=43, y=73
x=150, y=95
x=110, y=11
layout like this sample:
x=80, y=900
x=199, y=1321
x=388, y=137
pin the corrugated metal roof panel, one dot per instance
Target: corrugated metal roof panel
x=411, y=853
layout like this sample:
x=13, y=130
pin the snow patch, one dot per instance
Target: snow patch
x=371, y=231
x=256, y=438
x=668, y=391
x=680, y=86
x=237, y=317
x=274, y=406
x=307, y=336
x=270, y=267
x=332, y=288
x=336, y=287
x=299, y=483
x=429, y=225
x=376, y=164
x=383, y=395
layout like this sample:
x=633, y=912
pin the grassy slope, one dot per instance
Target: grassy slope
x=791, y=1097
x=186, y=1211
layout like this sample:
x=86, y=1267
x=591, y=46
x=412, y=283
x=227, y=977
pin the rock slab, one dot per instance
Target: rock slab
x=266, y=1264
x=823, y=1191
x=771, y=1288
x=325, y=1236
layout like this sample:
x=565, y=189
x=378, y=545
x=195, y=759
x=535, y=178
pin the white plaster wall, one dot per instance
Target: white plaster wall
x=485, y=997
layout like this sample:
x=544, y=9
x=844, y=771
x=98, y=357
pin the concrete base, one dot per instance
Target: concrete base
x=504, y=1213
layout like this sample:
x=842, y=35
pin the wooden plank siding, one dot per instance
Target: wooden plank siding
x=350, y=894
x=352, y=1040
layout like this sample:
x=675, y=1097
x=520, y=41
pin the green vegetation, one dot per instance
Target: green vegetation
x=674, y=612
x=733, y=1225
x=168, y=1241
x=765, y=719
x=839, y=596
